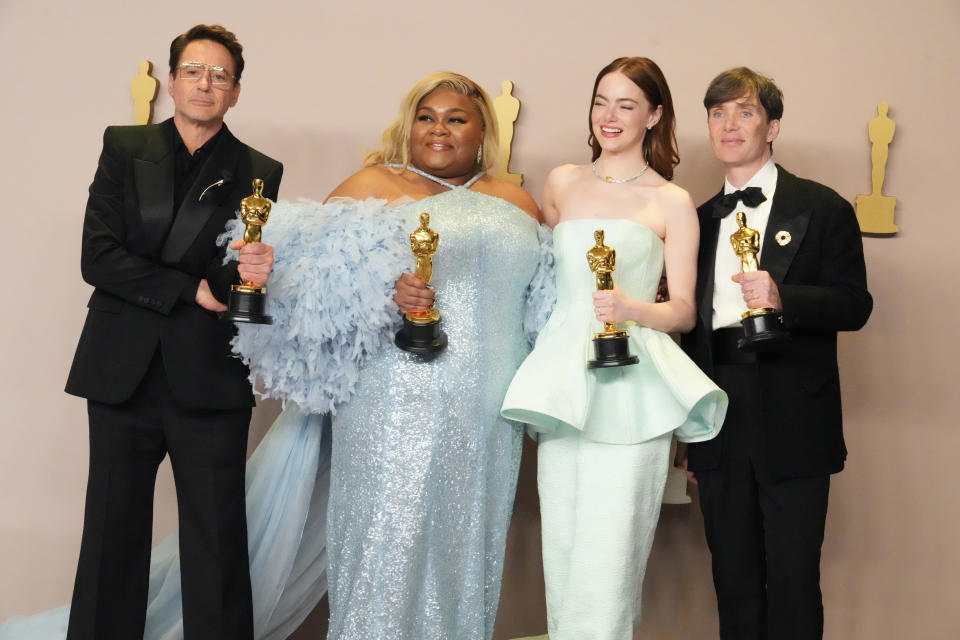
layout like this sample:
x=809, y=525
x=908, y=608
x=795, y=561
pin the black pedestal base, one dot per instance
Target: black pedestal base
x=246, y=305
x=611, y=350
x=420, y=338
x=761, y=331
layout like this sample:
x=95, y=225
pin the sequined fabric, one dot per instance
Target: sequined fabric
x=424, y=469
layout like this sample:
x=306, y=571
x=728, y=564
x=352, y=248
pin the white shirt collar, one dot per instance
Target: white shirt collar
x=765, y=178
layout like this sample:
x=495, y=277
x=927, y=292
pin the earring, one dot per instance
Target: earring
x=650, y=128
x=480, y=155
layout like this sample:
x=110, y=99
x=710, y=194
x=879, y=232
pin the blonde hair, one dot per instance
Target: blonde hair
x=396, y=138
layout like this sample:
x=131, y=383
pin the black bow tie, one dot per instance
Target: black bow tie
x=751, y=196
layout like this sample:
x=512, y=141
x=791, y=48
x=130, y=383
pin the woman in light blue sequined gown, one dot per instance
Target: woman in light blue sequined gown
x=424, y=469
x=604, y=434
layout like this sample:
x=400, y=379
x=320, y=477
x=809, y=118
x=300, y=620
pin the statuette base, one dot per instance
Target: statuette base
x=611, y=349
x=246, y=304
x=421, y=335
x=762, y=328
x=875, y=214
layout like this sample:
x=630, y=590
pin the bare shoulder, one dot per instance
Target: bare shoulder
x=370, y=182
x=561, y=180
x=560, y=177
x=675, y=200
x=679, y=213
x=512, y=193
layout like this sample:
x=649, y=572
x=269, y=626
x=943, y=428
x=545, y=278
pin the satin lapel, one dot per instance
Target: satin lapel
x=194, y=212
x=707, y=260
x=153, y=179
x=788, y=213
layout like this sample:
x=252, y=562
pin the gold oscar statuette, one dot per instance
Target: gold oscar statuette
x=421, y=332
x=247, y=302
x=762, y=326
x=506, y=108
x=875, y=210
x=610, y=347
x=143, y=89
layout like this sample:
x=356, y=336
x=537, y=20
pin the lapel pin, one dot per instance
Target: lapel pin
x=218, y=183
x=783, y=238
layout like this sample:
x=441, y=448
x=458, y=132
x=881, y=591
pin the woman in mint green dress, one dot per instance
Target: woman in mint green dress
x=605, y=433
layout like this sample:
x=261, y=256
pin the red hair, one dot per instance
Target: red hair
x=660, y=143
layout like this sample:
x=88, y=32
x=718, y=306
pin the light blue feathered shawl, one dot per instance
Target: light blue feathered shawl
x=331, y=297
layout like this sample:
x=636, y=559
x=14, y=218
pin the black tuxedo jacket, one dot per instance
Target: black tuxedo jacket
x=146, y=263
x=822, y=281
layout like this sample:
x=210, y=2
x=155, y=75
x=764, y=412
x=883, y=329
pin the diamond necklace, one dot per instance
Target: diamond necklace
x=619, y=180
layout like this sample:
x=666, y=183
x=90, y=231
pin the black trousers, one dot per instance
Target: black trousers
x=764, y=535
x=208, y=454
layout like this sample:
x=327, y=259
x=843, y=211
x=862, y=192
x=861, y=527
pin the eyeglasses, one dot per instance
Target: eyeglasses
x=193, y=71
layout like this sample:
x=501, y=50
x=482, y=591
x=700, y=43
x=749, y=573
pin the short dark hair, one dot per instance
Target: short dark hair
x=740, y=82
x=213, y=32
x=660, y=143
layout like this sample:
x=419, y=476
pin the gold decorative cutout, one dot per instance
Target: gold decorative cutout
x=507, y=108
x=875, y=211
x=144, y=89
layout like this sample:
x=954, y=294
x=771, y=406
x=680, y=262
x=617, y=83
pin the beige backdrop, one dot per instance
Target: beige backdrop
x=321, y=83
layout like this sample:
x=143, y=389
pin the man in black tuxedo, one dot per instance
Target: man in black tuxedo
x=154, y=360
x=764, y=480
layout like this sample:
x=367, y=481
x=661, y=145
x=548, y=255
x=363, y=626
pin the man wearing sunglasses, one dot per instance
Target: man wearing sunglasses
x=154, y=360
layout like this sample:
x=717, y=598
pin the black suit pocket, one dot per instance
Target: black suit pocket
x=101, y=301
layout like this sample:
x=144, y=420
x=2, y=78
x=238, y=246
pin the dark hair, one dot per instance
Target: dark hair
x=213, y=32
x=660, y=143
x=740, y=82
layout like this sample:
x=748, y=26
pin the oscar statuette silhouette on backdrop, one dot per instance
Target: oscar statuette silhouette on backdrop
x=875, y=210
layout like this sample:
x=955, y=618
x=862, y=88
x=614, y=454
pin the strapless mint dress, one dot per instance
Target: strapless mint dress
x=664, y=392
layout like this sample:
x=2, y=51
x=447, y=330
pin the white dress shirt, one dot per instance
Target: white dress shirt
x=728, y=304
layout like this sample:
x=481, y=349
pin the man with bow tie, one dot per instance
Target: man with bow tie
x=765, y=479
x=154, y=361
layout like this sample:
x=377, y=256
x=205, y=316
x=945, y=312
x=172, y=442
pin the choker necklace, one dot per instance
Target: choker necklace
x=430, y=176
x=619, y=180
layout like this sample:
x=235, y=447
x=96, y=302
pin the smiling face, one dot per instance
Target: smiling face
x=447, y=131
x=199, y=102
x=740, y=134
x=621, y=114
